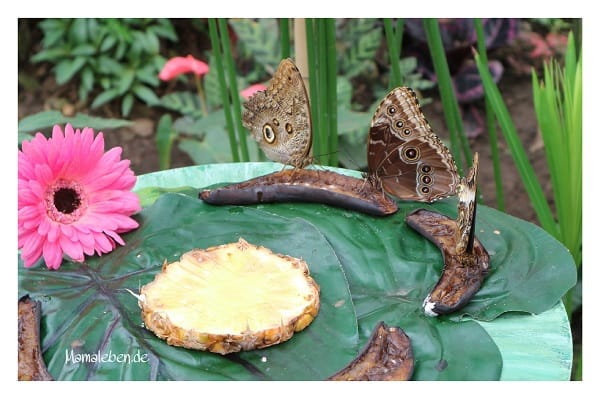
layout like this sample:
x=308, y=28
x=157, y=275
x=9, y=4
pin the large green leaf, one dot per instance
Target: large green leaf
x=389, y=269
x=86, y=308
x=45, y=119
x=531, y=271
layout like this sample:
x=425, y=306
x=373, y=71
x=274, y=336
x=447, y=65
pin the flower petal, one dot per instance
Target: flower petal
x=177, y=66
x=72, y=248
x=52, y=255
x=251, y=90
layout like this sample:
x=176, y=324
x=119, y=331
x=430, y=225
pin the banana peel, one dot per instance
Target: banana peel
x=31, y=362
x=387, y=356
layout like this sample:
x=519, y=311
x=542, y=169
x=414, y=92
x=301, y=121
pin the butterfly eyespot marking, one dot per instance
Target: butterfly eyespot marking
x=275, y=121
x=425, y=169
x=426, y=179
x=391, y=110
x=289, y=128
x=411, y=153
x=400, y=124
x=268, y=134
x=406, y=132
x=424, y=190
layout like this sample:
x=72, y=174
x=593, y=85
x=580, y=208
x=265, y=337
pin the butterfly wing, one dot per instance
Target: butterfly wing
x=467, y=207
x=404, y=155
x=279, y=117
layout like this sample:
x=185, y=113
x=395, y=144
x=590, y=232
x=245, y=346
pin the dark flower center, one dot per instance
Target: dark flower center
x=66, y=200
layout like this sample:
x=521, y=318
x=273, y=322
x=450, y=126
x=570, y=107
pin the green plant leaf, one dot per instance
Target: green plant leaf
x=87, y=309
x=184, y=102
x=147, y=74
x=54, y=31
x=164, y=140
x=164, y=29
x=87, y=78
x=104, y=97
x=388, y=266
x=50, y=54
x=344, y=92
x=530, y=270
x=125, y=81
x=78, y=33
x=362, y=39
x=108, y=43
x=83, y=50
x=145, y=94
x=83, y=92
x=23, y=137
x=109, y=66
x=526, y=171
x=66, y=69
x=259, y=39
x=212, y=87
x=212, y=149
x=152, y=42
x=127, y=104
x=46, y=119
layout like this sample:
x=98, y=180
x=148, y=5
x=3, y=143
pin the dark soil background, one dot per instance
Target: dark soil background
x=138, y=141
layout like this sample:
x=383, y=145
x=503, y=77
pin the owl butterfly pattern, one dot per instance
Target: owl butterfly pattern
x=279, y=117
x=405, y=157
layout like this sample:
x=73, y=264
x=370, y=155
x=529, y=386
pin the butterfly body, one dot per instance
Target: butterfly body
x=279, y=117
x=405, y=157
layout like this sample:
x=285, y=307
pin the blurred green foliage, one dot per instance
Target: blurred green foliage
x=120, y=57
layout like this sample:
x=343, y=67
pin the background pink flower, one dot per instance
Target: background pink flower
x=74, y=198
x=250, y=90
x=179, y=65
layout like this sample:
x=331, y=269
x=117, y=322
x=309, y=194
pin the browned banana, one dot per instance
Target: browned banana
x=466, y=261
x=463, y=273
x=386, y=357
x=31, y=363
x=305, y=185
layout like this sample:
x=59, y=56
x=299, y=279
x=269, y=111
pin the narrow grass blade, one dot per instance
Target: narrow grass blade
x=491, y=123
x=331, y=82
x=233, y=89
x=449, y=102
x=215, y=42
x=528, y=176
x=393, y=46
x=311, y=50
x=321, y=41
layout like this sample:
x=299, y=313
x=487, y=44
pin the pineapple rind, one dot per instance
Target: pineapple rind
x=230, y=298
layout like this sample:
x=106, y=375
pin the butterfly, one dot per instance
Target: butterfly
x=405, y=157
x=279, y=117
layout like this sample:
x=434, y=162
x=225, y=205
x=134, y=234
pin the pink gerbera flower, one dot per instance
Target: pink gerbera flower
x=74, y=198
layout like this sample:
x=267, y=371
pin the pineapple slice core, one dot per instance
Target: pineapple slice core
x=229, y=298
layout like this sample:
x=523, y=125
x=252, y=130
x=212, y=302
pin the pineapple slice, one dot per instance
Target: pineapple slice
x=230, y=298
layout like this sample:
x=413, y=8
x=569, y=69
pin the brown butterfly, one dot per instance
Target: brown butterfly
x=279, y=117
x=405, y=157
